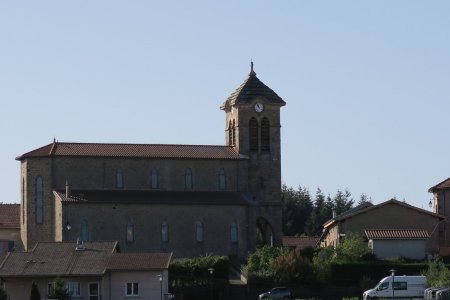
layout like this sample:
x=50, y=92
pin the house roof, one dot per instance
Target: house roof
x=440, y=186
x=353, y=212
x=9, y=215
x=139, y=261
x=252, y=87
x=155, y=197
x=300, y=242
x=62, y=259
x=160, y=151
x=396, y=234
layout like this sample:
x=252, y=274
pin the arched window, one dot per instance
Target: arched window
x=234, y=232
x=199, y=231
x=39, y=200
x=222, y=179
x=265, y=135
x=84, y=230
x=130, y=232
x=233, y=129
x=253, y=127
x=119, y=178
x=164, y=232
x=230, y=134
x=188, y=179
x=154, y=179
x=23, y=200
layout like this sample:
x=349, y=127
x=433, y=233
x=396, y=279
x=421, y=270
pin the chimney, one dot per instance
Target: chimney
x=68, y=191
x=80, y=245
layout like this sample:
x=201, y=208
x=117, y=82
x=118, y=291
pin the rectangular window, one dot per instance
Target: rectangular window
x=73, y=288
x=132, y=289
x=400, y=285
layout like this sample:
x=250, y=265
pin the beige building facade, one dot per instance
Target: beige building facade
x=388, y=215
x=186, y=199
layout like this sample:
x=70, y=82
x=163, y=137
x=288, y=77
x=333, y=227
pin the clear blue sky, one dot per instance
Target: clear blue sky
x=366, y=83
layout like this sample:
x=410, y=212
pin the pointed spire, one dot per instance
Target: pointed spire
x=252, y=72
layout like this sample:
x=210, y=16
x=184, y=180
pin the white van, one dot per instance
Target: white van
x=404, y=287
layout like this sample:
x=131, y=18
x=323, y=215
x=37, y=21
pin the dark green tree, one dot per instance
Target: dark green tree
x=3, y=295
x=35, y=294
x=297, y=207
x=321, y=213
x=58, y=291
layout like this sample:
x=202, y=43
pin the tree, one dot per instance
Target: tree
x=297, y=207
x=438, y=275
x=3, y=295
x=35, y=294
x=352, y=248
x=58, y=291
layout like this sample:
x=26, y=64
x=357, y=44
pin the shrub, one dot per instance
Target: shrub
x=35, y=294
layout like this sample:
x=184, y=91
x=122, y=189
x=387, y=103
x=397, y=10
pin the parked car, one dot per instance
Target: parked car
x=276, y=293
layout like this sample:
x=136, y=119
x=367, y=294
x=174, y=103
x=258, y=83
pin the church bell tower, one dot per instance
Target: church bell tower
x=253, y=128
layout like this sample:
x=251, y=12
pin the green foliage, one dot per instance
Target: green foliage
x=58, y=291
x=3, y=295
x=35, y=294
x=195, y=271
x=352, y=248
x=278, y=264
x=303, y=216
x=322, y=264
x=438, y=275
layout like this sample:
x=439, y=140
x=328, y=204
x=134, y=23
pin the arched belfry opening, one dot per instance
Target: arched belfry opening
x=264, y=232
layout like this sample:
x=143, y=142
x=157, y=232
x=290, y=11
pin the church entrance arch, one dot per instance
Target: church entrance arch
x=264, y=232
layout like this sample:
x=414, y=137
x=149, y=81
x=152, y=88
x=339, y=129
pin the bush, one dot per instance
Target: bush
x=3, y=295
x=35, y=294
x=438, y=275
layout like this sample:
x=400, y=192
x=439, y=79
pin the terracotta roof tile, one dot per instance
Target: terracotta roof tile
x=396, y=234
x=135, y=150
x=9, y=215
x=139, y=261
x=300, y=242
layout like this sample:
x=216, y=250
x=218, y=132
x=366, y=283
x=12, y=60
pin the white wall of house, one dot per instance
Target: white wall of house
x=149, y=285
x=387, y=249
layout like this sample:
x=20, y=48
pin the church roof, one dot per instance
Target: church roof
x=134, y=150
x=9, y=215
x=440, y=186
x=252, y=87
x=154, y=197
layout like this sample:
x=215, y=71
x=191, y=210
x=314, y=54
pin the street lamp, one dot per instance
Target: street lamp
x=211, y=272
x=430, y=204
x=161, y=284
x=392, y=274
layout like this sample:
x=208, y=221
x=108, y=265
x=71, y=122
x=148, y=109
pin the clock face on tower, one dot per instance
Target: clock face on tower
x=259, y=107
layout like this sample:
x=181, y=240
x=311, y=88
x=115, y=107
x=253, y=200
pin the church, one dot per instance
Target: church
x=187, y=199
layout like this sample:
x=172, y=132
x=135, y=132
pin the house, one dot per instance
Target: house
x=299, y=243
x=9, y=228
x=441, y=205
x=186, y=199
x=396, y=243
x=388, y=217
x=90, y=270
